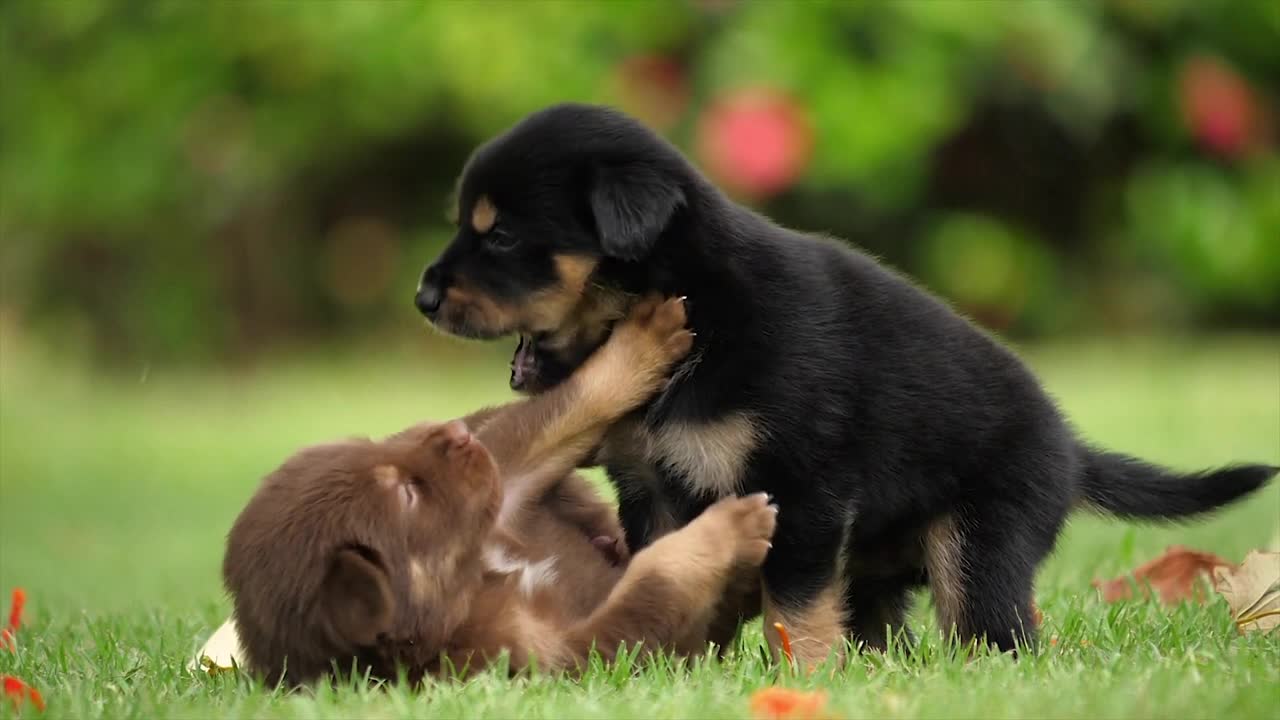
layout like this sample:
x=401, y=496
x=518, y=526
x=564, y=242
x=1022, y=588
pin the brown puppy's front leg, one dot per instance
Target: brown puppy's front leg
x=669, y=592
x=538, y=441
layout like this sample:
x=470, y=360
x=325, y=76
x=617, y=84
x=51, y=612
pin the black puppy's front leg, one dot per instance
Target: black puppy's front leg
x=804, y=589
x=643, y=511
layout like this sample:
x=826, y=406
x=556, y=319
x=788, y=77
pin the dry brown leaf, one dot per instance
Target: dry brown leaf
x=1173, y=576
x=1252, y=589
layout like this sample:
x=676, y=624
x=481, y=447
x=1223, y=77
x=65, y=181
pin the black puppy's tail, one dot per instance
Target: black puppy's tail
x=1131, y=488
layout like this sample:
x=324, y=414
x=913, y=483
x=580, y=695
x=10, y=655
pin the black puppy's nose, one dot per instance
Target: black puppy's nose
x=427, y=299
x=429, y=292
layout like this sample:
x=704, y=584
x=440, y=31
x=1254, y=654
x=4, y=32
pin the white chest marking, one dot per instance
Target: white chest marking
x=533, y=575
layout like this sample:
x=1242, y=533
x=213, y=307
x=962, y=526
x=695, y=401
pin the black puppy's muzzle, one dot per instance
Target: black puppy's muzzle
x=430, y=292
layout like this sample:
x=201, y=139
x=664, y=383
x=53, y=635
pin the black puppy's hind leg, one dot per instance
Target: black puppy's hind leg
x=876, y=609
x=981, y=567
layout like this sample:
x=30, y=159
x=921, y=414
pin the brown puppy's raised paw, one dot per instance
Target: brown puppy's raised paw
x=636, y=360
x=656, y=328
x=750, y=522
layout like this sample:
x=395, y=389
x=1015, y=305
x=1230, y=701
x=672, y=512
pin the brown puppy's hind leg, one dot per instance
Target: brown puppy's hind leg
x=669, y=592
x=741, y=602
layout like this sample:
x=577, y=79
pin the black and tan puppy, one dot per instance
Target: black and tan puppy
x=438, y=544
x=906, y=445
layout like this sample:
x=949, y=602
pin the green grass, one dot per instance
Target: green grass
x=115, y=495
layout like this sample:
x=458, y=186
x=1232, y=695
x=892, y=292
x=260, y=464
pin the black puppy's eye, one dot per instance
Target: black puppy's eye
x=499, y=240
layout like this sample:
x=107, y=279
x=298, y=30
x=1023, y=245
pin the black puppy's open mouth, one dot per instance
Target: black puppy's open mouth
x=524, y=364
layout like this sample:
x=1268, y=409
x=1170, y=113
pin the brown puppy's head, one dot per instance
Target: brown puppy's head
x=354, y=546
x=557, y=206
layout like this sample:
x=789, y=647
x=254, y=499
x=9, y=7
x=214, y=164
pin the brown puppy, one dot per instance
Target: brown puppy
x=436, y=544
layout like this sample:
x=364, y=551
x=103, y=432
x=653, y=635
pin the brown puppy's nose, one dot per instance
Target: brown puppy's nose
x=456, y=434
x=429, y=293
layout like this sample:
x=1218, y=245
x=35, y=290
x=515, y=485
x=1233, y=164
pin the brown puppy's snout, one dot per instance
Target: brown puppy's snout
x=430, y=291
x=456, y=434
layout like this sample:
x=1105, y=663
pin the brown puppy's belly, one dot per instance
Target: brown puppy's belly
x=583, y=576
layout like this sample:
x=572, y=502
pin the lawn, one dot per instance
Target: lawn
x=115, y=494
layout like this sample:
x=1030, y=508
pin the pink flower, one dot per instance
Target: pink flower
x=1218, y=106
x=756, y=141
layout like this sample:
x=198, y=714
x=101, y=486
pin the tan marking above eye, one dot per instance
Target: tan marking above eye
x=574, y=270
x=387, y=475
x=483, y=214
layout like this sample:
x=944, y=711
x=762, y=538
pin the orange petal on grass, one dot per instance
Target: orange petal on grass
x=777, y=703
x=19, y=692
x=785, y=639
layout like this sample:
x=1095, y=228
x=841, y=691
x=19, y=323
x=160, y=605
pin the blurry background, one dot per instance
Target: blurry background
x=214, y=216
x=198, y=181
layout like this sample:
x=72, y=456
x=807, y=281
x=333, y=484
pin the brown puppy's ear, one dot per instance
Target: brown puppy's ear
x=632, y=206
x=356, y=602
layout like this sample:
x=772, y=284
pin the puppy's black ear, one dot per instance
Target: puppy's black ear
x=356, y=602
x=632, y=206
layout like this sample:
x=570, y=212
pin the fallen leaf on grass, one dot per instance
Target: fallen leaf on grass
x=221, y=652
x=1173, y=576
x=1252, y=589
x=775, y=703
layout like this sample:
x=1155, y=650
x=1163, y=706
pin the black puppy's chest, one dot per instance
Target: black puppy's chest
x=666, y=473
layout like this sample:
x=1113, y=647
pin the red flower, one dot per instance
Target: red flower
x=19, y=692
x=15, y=619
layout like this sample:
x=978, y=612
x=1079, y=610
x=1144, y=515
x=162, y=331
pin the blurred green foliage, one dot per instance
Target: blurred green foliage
x=186, y=179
